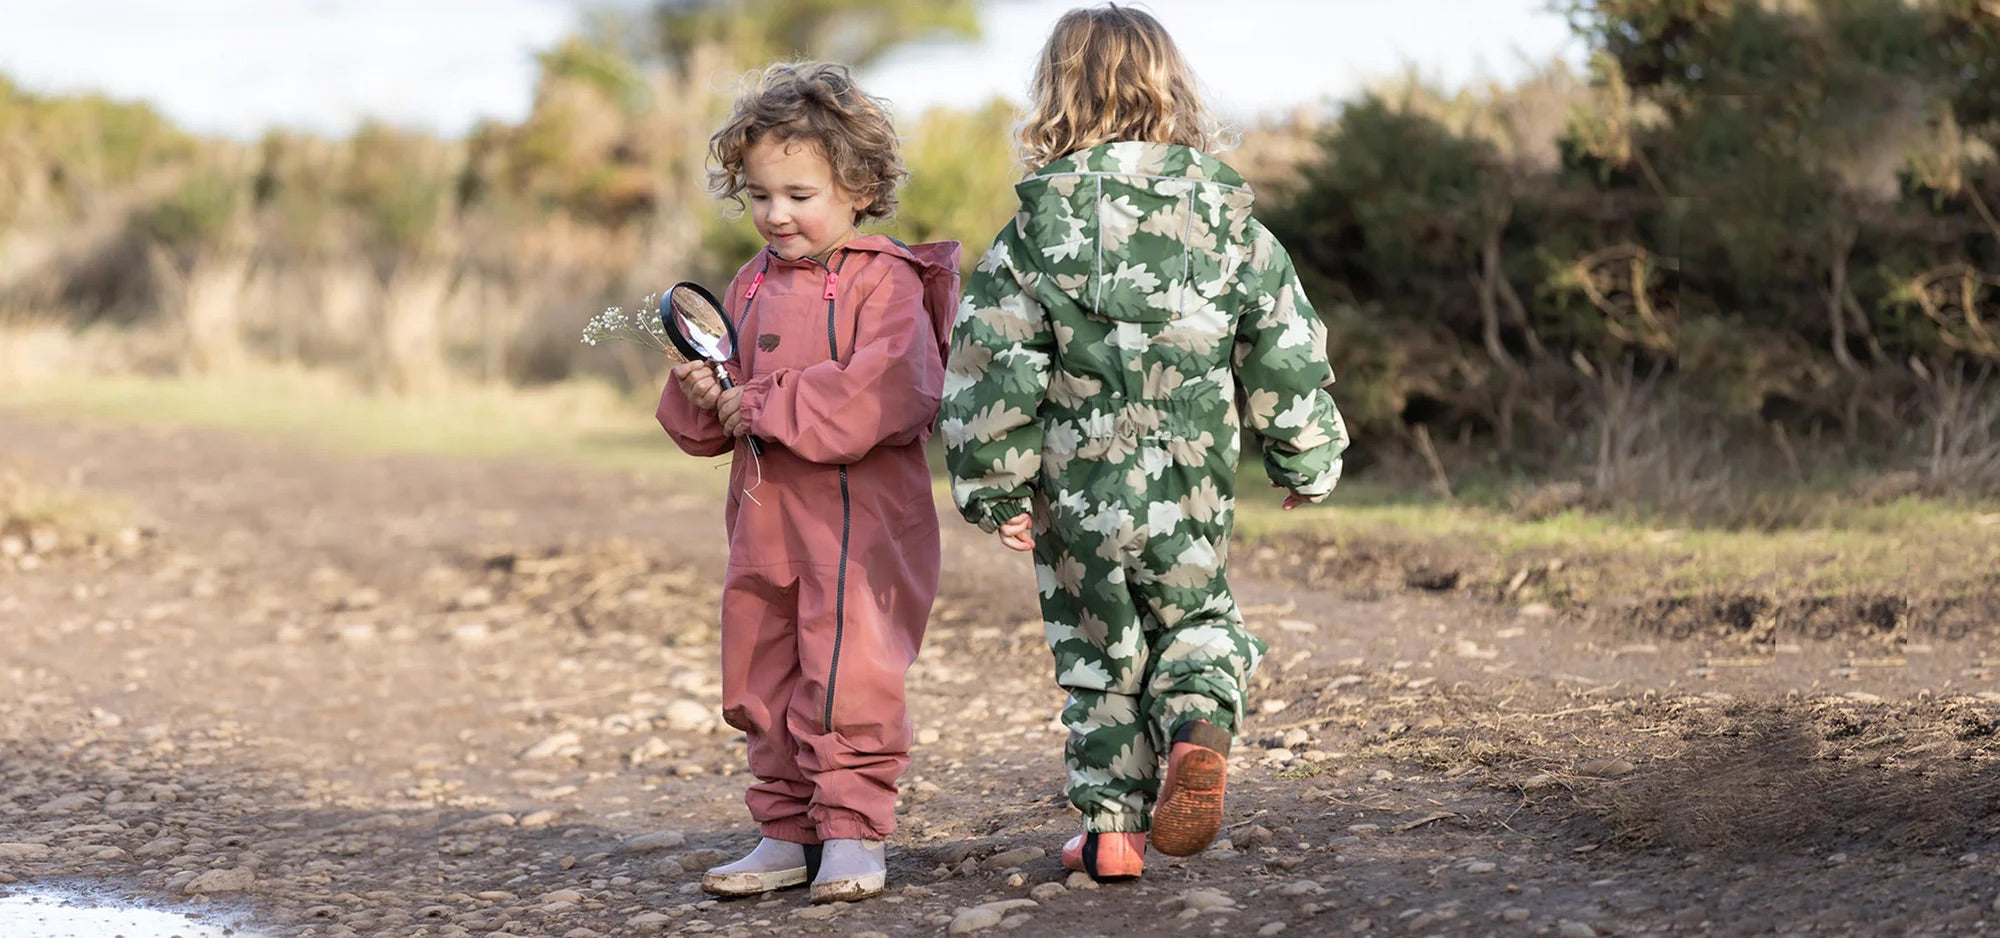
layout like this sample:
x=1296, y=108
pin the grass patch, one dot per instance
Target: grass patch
x=37, y=519
x=1370, y=534
x=1911, y=547
x=589, y=424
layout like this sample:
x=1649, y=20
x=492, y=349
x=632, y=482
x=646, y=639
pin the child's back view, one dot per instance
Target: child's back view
x=1101, y=355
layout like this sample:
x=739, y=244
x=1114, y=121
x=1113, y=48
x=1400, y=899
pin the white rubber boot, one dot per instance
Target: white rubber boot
x=773, y=865
x=850, y=870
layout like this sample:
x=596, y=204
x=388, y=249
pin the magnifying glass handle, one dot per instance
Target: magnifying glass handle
x=722, y=379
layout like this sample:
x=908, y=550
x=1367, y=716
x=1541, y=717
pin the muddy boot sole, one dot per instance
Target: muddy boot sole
x=732, y=885
x=1189, y=813
x=852, y=889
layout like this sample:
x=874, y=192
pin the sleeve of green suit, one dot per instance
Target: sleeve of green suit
x=995, y=379
x=1281, y=367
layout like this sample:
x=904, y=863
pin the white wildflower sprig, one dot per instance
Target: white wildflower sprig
x=639, y=327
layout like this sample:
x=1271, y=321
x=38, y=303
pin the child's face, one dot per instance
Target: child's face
x=794, y=201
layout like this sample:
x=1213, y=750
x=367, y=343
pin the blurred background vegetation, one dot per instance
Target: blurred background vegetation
x=1742, y=271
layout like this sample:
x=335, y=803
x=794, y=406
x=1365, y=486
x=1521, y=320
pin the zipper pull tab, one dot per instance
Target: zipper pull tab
x=831, y=279
x=755, y=282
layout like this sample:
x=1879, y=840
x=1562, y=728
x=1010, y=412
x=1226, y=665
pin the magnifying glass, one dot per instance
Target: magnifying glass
x=699, y=329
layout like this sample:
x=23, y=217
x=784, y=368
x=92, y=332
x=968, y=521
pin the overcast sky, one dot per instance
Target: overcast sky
x=239, y=67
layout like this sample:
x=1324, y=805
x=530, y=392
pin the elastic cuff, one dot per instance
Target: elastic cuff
x=1204, y=733
x=799, y=830
x=752, y=404
x=1000, y=511
x=848, y=825
x=1117, y=823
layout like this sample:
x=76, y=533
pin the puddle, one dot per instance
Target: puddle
x=71, y=913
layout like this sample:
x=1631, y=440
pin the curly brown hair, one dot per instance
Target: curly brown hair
x=818, y=103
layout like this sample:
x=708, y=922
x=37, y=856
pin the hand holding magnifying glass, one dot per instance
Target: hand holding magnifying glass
x=700, y=330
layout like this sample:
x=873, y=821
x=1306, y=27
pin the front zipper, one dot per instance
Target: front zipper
x=846, y=512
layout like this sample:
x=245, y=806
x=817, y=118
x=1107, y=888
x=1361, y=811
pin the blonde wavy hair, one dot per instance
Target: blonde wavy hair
x=1111, y=73
x=816, y=103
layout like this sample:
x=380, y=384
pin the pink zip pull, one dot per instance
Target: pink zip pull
x=831, y=279
x=755, y=282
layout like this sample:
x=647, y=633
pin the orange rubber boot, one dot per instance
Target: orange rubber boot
x=1189, y=812
x=1108, y=858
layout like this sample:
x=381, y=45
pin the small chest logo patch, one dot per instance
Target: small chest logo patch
x=768, y=341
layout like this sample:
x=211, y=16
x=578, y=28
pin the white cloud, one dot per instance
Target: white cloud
x=240, y=66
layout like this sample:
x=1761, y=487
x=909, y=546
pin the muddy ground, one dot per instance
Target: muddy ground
x=316, y=694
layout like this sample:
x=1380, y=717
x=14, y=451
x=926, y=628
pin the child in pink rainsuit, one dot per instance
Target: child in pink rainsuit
x=833, y=554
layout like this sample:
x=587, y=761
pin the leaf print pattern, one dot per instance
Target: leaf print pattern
x=1101, y=350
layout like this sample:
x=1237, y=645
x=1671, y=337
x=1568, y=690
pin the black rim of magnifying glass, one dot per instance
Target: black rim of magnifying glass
x=669, y=321
x=687, y=349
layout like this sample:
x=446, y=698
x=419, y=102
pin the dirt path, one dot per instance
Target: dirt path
x=343, y=696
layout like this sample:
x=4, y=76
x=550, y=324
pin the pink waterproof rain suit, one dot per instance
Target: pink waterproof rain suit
x=833, y=561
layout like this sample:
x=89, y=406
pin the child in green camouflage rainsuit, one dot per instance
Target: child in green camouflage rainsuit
x=1108, y=351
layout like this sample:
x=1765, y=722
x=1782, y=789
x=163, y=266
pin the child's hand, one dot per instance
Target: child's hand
x=729, y=407
x=697, y=383
x=1016, y=532
x=1293, y=499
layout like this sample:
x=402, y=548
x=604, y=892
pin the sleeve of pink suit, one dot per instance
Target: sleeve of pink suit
x=886, y=394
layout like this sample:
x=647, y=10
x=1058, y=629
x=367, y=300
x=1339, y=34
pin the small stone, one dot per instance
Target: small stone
x=652, y=750
x=981, y=917
x=1569, y=929
x=1605, y=768
x=158, y=847
x=1481, y=866
x=486, y=822
x=564, y=743
x=1012, y=858
x=219, y=881
x=1082, y=880
x=1043, y=892
x=977, y=918
x=471, y=633
x=927, y=736
x=656, y=840
x=1271, y=928
x=538, y=819
x=687, y=716
x=65, y=804
x=1514, y=913
x=357, y=633
x=1205, y=900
